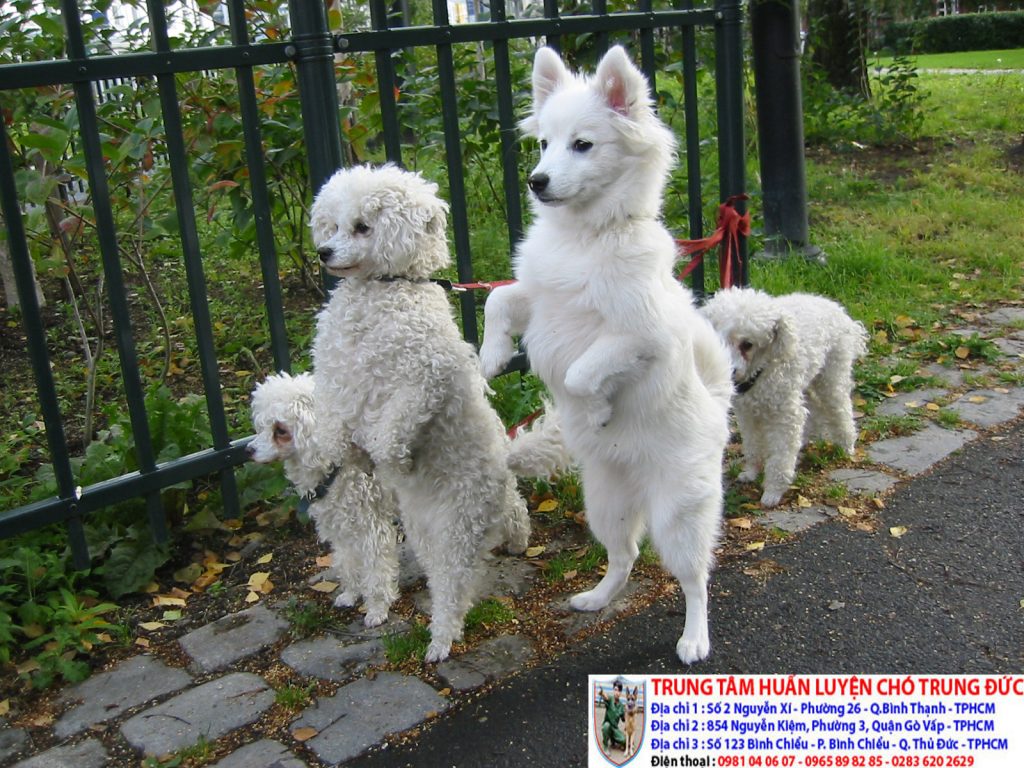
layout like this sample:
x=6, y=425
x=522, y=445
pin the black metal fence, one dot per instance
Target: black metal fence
x=311, y=50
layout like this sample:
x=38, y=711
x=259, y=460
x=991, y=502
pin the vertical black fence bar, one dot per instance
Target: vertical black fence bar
x=553, y=39
x=647, y=59
x=386, y=84
x=21, y=263
x=313, y=51
x=456, y=171
x=507, y=131
x=600, y=8
x=107, y=233
x=729, y=80
x=694, y=191
x=260, y=195
x=178, y=163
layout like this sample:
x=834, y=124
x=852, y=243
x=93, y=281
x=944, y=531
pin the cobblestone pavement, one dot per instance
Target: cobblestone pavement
x=148, y=707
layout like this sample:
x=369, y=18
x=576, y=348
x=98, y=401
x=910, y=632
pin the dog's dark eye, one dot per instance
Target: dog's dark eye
x=581, y=145
x=745, y=346
x=280, y=433
x=543, y=144
x=360, y=228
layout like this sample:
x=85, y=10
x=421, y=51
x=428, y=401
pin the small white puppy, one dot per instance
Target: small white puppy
x=352, y=512
x=395, y=377
x=792, y=360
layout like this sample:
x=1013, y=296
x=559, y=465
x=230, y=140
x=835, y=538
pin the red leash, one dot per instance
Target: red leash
x=731, y=224
x=727, y=234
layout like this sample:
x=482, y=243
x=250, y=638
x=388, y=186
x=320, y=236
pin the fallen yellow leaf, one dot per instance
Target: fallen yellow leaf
x=932, y=407
x=164, y=600
x=325, y=561
x=535, y=551
x=265, y=559
x=802, y=501
x=257, y=579
x=896, y=379
x=548, y=505
x=754, y=546
x=142, y=642
x=5, y=707
x=897, y=530
x=878, y=503
x=152, y=626
x=962, y=352
x=304, y=734
x=902, y=321
x=252, y=597
x=325, y=586
x=25, y=668
x=977, y=399
x=171, y=615
x=445, y=692
x=743, y=523
x=570, y=575
x=847, y=511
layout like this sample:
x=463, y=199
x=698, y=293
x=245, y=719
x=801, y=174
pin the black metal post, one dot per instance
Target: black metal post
x=729, y=77
x=775, y=33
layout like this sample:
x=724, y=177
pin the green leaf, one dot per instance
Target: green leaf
x=132, y=563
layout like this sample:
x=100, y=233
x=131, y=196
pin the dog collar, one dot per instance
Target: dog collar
x=744, y=386
x=319, y=492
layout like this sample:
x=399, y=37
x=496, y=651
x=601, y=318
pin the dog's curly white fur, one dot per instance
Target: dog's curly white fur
x=640, y=380
x=793, y=360
x=394, y=376
x=355, y=516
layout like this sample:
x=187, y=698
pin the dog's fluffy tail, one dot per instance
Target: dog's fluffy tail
x=712, y=361
x=539, y=450
x=861, y=347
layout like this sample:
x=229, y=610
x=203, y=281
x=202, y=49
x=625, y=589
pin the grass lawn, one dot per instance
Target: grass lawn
x=1007, y=59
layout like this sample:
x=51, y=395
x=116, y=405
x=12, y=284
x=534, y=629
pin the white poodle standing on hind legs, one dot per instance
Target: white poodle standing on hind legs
x=640, y=381
x=394, y=376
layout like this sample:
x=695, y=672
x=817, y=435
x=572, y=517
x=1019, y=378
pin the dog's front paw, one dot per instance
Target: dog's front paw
x=375, y=616
x=587, y=601
x=495, y=354
x=692, y=650
x=438, y=650
x=771, y=497
x=347, y=599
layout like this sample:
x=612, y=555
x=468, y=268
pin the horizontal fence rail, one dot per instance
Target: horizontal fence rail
x=310, y=52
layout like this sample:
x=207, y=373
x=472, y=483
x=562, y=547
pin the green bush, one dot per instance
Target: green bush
x=963, y=32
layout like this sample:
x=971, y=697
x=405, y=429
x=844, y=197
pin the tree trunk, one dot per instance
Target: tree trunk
x=7, y=278
x=838, y=43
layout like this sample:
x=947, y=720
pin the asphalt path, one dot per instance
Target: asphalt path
x=943, y=598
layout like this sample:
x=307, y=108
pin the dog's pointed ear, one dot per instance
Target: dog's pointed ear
x=548, y=73
x=621, y=85
x=784, y=345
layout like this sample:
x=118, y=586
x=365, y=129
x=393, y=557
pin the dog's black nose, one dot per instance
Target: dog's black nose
x=250, y=450
x=325, y=254
x=538, y=182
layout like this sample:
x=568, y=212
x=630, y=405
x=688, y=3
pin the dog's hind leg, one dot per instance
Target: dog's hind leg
x=832, y=390
x=685, y=530
x=516, y=520
x=614, y=515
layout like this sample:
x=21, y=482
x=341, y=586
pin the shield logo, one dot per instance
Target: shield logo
x=620, y=719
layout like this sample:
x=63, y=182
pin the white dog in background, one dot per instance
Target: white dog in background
x=394, y=376
x=793, y=366
x=351, y=511
x=640, y=380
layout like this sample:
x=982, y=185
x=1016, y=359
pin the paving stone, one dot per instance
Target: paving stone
x=11, y=739
x=1006, y=316
x=954, y=377
x=1010, y=347
x=208, y=711
x=330, y=658
x=233, y=637
x=968, y=332
x=908, y=402
x=85, y=754
x=507, y=577
x=864, y=481
x=110, y=694
x=362, y=713
x=987, y=408
x=794, y=520
x=493, y=659
x=261, y=754
x=915, y=453
x=577, y=621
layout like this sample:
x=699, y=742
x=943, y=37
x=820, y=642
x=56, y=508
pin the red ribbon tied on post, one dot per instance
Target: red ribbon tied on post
x=731, y=224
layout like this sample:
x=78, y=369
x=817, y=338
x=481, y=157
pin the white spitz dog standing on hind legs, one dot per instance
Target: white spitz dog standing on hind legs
x=639, y=379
